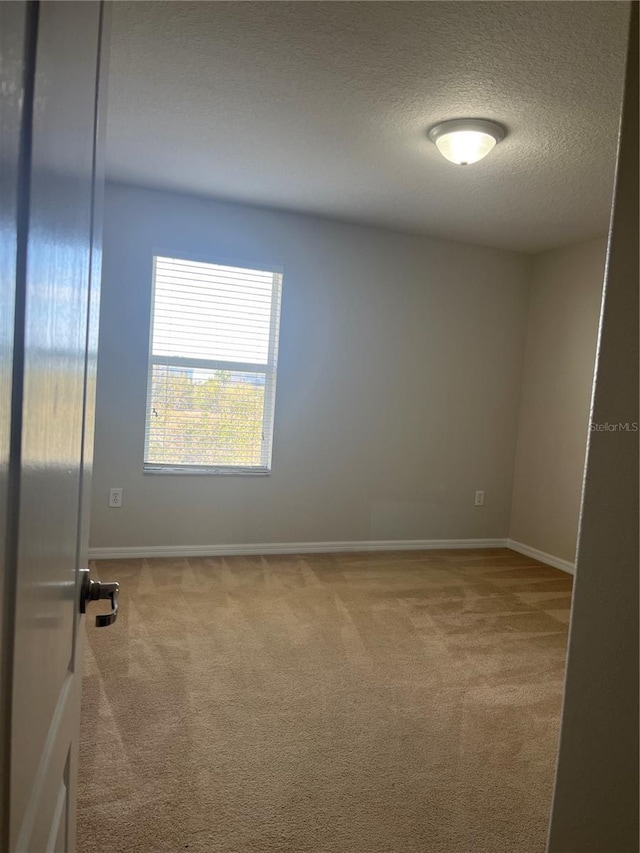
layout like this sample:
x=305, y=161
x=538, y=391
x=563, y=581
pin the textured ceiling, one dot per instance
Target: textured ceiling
x=323, y=107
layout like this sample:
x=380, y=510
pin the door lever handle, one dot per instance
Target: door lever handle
x=96, y=590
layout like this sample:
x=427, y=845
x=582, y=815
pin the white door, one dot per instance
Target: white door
x=50, y=235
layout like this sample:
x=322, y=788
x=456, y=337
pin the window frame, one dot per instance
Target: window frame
x=269, y=369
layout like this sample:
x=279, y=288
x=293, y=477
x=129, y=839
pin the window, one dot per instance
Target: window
x=212, y=367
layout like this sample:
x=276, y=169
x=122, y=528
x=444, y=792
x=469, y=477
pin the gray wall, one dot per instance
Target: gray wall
x=595, y=805
x=562, y=333
x=398, y=387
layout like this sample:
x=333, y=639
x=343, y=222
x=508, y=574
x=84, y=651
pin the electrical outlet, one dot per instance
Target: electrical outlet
x=479, y=498
x=115, y=497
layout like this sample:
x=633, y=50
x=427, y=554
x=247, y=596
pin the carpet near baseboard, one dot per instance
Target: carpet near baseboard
x=361, y=703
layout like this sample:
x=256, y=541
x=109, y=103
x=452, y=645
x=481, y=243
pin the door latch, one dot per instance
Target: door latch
x=96, y=590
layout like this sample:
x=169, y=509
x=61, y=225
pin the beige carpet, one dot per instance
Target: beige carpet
x=382, y=703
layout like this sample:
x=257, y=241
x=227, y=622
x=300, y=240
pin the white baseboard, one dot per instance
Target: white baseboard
x=133, y=552
x=289, y=548
x=542, y=556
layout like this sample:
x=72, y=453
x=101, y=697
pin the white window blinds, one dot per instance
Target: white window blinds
x=212, y=367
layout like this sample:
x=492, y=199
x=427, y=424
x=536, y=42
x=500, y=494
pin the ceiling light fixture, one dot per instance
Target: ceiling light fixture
x=466, y=140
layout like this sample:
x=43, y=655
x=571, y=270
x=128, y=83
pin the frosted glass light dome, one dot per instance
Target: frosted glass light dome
x=465, y=141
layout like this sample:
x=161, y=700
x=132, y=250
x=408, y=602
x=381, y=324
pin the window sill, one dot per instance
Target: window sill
x=207, y=471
